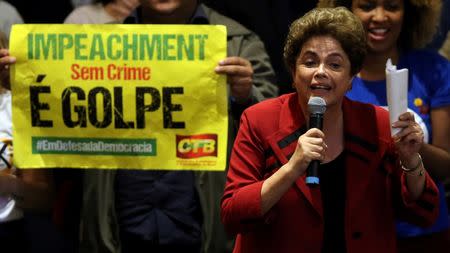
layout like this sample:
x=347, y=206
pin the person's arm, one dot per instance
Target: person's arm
x=32, y=189
x=248, y=69
x=249, y=196
x=250, y=76
x=437, y=156
x=310, y=146
x=408, y=143
x=416, y=196
x=239, y=73
x=264, y=79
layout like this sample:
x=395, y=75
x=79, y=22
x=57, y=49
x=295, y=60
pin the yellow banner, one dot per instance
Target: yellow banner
x=119, y=96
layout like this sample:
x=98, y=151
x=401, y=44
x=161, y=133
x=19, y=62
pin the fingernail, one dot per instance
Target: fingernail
x=217, y=68
x=221, y=62
x=12, y=59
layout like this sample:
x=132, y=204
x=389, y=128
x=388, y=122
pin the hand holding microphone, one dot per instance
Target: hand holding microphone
x=311, y=146
x=316, y=108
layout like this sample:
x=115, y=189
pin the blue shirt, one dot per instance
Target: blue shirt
x=428, y=88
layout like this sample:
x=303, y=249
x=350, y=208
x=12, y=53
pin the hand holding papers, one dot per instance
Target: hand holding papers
x=397, y=92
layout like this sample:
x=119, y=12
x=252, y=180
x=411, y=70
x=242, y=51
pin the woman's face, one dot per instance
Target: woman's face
x=322, y=69
x=382, y=20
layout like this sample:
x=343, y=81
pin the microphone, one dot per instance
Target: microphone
x=316, y=108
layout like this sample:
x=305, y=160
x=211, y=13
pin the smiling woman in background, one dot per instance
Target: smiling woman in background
x=399, y=29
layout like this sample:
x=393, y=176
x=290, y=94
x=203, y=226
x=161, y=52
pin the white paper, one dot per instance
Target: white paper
x=397, y=93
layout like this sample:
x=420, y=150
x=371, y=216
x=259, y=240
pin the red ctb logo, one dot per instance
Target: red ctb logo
x=195, y=146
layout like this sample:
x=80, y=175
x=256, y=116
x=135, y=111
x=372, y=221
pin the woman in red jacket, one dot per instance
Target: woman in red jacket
x=367, y=178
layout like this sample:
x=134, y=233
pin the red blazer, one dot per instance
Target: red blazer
x=376, y=192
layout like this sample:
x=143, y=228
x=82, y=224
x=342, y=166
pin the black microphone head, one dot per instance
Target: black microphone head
x=317, y=105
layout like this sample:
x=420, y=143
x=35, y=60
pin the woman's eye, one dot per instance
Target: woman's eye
x=392, y=6
x=367, y=6
x=335, y=65
x=309, y=63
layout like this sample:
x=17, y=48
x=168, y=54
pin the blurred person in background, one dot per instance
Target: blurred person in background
x=171, y=211
x=21, y=191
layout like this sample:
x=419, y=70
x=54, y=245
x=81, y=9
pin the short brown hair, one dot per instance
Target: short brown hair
x=420, y=22
x=339, y=23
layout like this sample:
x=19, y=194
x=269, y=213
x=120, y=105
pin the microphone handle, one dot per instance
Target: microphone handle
x=316, y=121
x=312, y=173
